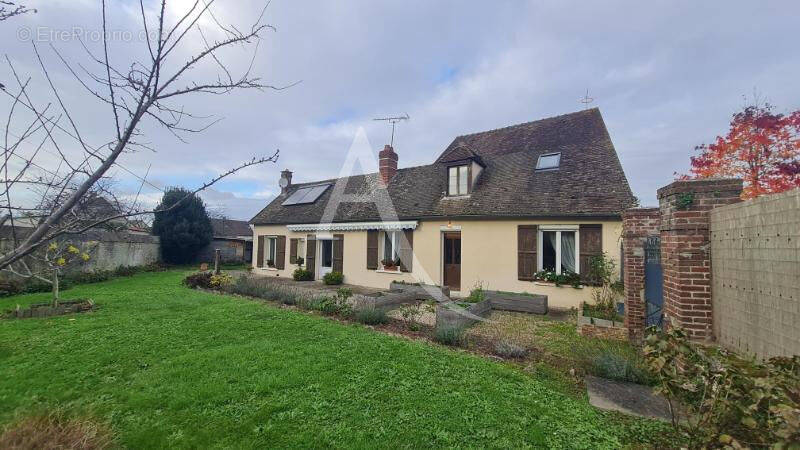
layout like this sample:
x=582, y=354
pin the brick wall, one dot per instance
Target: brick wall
x=637, y=224
x=755, y=248
x=685, y=249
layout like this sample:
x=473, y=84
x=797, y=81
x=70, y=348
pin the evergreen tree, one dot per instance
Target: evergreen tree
x=185, y=229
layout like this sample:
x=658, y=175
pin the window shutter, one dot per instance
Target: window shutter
x=338, y=253
x=260, y=252
x=372, y=249
x=591, y=245
x=293, y=251
x=311, y=251
x=280, y=253
x=526, y=252
x=405, y=250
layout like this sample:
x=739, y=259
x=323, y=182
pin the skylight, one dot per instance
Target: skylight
x=306, y=194
x=548, y=161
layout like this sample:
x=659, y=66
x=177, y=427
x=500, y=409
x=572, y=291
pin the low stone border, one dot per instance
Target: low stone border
x=602, y=328
x=504, y=301
x=47, y=310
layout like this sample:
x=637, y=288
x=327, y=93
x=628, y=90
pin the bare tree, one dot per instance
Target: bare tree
x=48, y=155
x=11, y=9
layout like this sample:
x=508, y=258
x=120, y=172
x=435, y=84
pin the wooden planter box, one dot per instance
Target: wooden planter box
x=421, y=291
x=455, y=317
x=47, y=310
x=532, y=304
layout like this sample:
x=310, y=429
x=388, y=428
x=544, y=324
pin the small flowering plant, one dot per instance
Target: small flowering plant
x=59, y=255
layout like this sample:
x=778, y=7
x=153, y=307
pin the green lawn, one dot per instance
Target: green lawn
x=170, y=367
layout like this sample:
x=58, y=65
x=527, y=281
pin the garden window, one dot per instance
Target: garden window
x=558, y=250
x=458, y=180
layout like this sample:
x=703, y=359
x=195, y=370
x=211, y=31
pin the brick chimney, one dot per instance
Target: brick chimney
x=286, y=180
x=387, y=159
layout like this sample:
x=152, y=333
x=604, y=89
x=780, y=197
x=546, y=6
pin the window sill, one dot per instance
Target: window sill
x=547, y=283
x=271, y=269
x=456, y=197
x=388, y=271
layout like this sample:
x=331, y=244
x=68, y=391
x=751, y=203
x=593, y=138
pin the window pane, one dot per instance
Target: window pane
x=549, y=161
x=462, y=180
x=272, y=245
x=453, y=180
x=387, y=245
x=567, y=251
x=456, y=251
x=549, y=247
x=327, y=253
x=448, y=251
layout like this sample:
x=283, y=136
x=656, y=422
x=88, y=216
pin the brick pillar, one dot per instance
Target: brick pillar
x=637, y=225
x=686, y=250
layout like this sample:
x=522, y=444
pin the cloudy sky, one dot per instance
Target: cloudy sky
x=666, y=76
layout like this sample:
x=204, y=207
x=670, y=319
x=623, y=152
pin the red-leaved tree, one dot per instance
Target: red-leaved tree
x=761, y=147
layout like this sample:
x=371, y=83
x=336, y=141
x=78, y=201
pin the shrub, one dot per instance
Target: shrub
x=333, y=278
x=452, y=336
x=728, y=401
x=410, y=313
x=371, y=315
x=301, y=274
x=617, y=366
x=508, y=348
x=309, y=303
x=94, y=276
x=126, y=271
x=198, y=280
x=221, y=280
x=477, y=294
x=262, y=288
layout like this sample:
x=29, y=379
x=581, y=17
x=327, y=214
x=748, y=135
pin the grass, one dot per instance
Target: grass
x=166, y=366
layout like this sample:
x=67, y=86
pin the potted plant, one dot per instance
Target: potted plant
x=270, y=263
x=300, y=261
x=390, y=264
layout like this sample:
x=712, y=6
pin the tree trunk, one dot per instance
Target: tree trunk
x=55, y=288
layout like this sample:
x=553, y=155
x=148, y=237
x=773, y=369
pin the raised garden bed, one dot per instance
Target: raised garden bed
x=421, y=290
x=508, y=301
x=449, y=315
x=602, y=328
x=48, y=310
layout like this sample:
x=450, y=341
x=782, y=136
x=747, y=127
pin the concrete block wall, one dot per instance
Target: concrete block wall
x=637, y=225
x=755, y=249
x=684, y=207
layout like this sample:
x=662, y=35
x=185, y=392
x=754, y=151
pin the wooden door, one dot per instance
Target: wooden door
x=452, y=260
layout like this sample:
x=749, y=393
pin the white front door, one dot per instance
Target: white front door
x=325, y=256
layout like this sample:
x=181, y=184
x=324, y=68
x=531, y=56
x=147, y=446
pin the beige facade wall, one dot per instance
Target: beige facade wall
x=488, y=257
x=755, y=260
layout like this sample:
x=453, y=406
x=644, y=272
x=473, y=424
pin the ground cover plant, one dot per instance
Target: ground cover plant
x=169, y=366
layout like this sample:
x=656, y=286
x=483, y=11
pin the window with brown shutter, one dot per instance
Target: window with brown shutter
x=405, y=250
x=526, y=252
x=372, y=249
x=591, y=245
x=311, y=251
x=293, y=251
x=260, y=252
x=338, y=253
x=280, y=254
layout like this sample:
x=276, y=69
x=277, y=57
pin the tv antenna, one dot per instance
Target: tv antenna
x=586, y=99
x=393, y=121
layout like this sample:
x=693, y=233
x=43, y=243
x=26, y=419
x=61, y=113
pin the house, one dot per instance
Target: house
x=493, y=209
x=234, y=238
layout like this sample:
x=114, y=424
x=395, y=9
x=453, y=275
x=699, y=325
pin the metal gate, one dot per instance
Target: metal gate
x=653, y=282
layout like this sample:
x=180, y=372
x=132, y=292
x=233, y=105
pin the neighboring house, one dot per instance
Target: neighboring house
x=492, y=210
x=234, y=238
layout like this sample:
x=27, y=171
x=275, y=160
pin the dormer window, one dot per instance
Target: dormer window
x=548, y=161
x=458, y=180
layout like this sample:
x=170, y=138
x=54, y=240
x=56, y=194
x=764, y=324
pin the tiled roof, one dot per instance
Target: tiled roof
x=589, y=182
x=230, y=228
